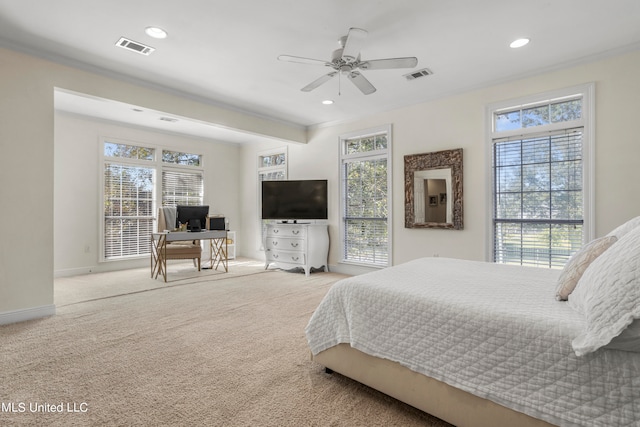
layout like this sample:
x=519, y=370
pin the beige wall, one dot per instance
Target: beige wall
x=459, y=122
x=27, y=88
x=26, y=184
x=27, y=141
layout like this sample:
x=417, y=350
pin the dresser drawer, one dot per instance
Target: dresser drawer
x=285, y=244
x=290, y=231
x=288, y=257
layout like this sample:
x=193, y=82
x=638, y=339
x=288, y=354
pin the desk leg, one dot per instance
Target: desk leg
x=153, y=255
x=158, y=257
x=163, y=252
x=211, y=254
x=219, y=252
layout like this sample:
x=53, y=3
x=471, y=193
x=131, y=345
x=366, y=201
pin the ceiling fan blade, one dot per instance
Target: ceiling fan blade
x=301, y=60
x=314, y=84
x=361, y=83
x=353, y=44
x=385, y=64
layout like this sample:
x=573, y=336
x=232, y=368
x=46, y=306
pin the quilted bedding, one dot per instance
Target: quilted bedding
x=493, y=330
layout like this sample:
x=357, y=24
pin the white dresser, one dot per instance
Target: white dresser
x=297, y=245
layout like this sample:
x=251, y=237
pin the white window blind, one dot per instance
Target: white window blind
x=538, y=198
x=128, y=210
x=365, y=199
x=182, y=188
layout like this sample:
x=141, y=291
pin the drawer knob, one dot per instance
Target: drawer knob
x=295, y=245
x=275, y=243
x=295, y=258
x=295, y=231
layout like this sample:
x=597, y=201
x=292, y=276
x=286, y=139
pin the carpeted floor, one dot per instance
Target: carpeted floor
x=205, y=348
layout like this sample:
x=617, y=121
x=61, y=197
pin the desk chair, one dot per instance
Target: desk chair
x=179, y=250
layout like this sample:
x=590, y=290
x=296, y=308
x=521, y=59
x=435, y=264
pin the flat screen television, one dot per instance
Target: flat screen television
x=294, y=200
x=194, y=216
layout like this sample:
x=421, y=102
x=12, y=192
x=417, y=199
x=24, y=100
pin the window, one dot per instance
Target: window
x=272, y=166
x=365, y=197
x=128, y=200
x=181, y=186
x=178, y=158
x=130, y=188
x=540, y=174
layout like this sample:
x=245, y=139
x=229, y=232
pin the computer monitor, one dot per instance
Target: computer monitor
x=194, y=216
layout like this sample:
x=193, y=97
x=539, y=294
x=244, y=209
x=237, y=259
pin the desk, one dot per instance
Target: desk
x=217, y=245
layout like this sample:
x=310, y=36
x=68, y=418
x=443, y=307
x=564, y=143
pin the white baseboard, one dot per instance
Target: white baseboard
x=69, y=272
x=351, y=269
x=27, y=314
x=103, y=267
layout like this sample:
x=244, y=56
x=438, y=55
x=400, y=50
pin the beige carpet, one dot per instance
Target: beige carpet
x=207, y=348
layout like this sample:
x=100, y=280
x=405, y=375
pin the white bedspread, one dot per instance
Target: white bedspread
x=495, y=331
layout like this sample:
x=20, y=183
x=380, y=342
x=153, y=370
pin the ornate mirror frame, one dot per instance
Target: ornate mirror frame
x=418, y=163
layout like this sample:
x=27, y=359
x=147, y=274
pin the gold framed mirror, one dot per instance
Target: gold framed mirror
x=433, y=190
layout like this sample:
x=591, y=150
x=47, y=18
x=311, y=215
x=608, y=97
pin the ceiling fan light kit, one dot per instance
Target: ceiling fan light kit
x=346, y=61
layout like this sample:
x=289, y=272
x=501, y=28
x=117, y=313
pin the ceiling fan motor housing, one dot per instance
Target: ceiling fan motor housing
x=344, y=64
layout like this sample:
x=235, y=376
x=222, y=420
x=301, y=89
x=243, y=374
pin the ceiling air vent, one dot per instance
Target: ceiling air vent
x=134, y=46
x=417, y=74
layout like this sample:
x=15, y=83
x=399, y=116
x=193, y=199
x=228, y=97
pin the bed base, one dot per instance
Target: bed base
x=448, y=403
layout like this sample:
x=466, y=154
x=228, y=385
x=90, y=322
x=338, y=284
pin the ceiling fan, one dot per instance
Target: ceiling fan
x=346, y=60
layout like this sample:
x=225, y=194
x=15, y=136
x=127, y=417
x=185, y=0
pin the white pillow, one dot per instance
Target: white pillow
x=578, y=263
x=608, y=294
x=623, y=229
x=628, y=340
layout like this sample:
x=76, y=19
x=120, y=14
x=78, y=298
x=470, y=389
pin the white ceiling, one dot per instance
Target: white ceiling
x=225, y=52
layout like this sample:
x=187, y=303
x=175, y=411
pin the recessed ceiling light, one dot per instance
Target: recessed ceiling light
x=327, y=102
x=519, y=43
x=155, y=32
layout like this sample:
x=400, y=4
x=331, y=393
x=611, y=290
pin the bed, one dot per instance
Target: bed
x=483, y=344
